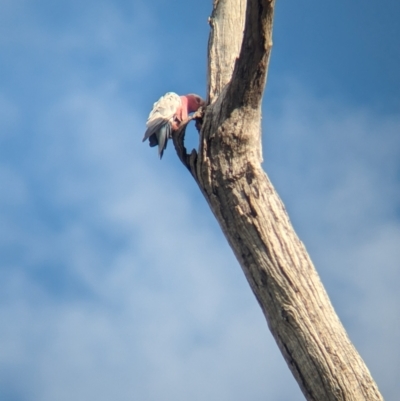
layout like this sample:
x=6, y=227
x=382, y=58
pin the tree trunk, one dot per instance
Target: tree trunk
x=228, y=171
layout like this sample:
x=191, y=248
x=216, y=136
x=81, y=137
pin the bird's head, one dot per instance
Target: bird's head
x=194, y=102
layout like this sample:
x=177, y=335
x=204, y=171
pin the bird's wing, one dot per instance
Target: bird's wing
x=153, y=126
x=163, y=111
x=162, y=137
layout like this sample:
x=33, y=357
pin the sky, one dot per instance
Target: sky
x=115, y=279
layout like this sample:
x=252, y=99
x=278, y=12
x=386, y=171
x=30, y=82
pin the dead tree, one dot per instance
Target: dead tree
x=227, y=169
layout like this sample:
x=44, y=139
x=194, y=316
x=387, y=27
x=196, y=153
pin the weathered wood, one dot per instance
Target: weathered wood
x=228, y=171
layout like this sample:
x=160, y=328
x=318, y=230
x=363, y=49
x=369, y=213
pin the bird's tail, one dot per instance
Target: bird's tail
x=163, y=134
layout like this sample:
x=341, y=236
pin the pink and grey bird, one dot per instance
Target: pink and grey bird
x=167, y=115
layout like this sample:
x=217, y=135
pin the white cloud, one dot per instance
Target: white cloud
x=117, y=284
x=129, y=293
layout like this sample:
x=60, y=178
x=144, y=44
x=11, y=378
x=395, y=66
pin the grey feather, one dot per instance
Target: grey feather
x=153, y=126
x=159, y=128
x=163, y=134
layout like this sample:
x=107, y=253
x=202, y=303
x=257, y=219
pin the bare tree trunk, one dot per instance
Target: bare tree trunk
x=228, y=171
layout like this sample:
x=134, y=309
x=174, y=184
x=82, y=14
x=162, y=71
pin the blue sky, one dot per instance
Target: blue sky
x=115, y=280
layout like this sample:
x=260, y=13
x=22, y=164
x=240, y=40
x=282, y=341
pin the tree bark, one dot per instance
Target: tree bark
x=228, y=171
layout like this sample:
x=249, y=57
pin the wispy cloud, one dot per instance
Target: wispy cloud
x=115, y=280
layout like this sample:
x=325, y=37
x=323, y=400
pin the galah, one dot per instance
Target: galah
x=167, y=115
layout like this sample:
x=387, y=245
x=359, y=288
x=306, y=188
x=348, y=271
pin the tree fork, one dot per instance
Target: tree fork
x=228, y=171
